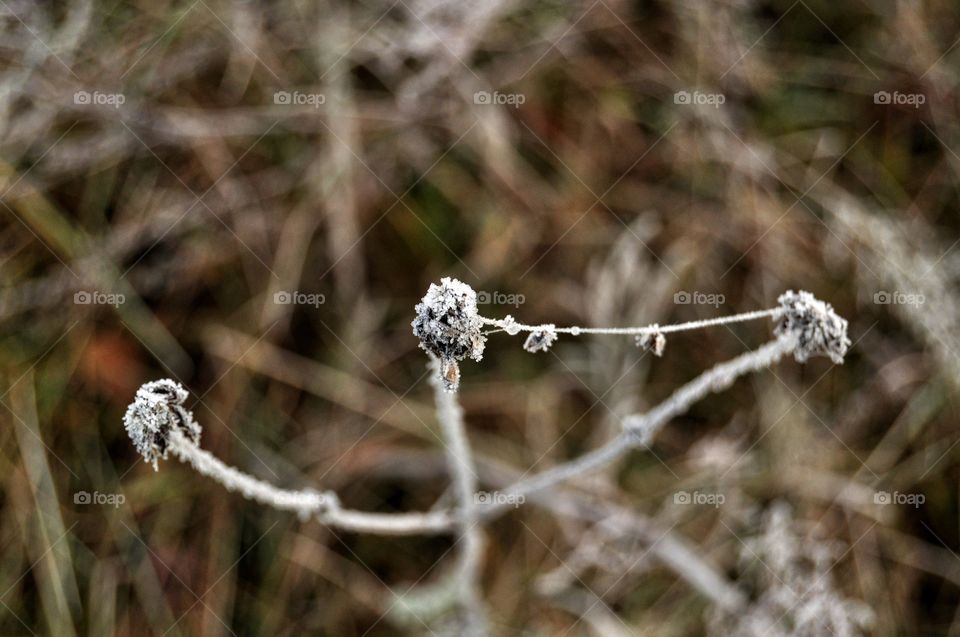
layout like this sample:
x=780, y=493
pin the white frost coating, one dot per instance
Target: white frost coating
x=512, y=327
x=448, y=325
x=158, y=424
x=654, y=342
x=640, y=429
x=819, y=330
x=716, y=379
x=155, y=413
x=541, y=339
x=806, y=323
x=305, y=502
x=464, y=478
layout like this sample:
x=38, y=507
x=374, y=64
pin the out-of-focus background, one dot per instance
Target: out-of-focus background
x=251, y=197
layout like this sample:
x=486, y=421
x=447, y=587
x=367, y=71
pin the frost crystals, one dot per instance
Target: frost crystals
x=448, y=326
x=818, y=329
x=156, y=410
x=541, y=338
x=652, y=341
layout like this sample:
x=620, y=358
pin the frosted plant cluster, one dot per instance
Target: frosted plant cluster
x=448, y=325
x=819, y=330
x=450, y=329
x=154, y=414
x=797, y=596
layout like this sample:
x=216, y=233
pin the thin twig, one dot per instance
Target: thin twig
x=307, y=502
x=640, y=429
x=464, y=475
x=637, y=331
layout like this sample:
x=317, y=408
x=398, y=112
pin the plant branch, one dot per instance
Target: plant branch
x=325, y=506
x=640, y=429
x=464, y=475
x=514, y=327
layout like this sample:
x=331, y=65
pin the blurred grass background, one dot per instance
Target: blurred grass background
x=598, y=198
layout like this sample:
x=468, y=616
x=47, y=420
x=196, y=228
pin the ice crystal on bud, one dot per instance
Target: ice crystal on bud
x=818, y=329
x=652, y=341
x=157, y=410
x=541, y=338
x=448, y=326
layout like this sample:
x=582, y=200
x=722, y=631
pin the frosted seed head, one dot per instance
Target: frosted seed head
x=155, y=412
x=818, y=329
x=541, y=338
x=448, y=325
x=652, y=341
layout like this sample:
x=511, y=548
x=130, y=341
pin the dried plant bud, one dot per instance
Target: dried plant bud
x=157, y=410
x=541, y=339
x=652, y=341
x=818, y=329
x=448, y=326
x=450, y=374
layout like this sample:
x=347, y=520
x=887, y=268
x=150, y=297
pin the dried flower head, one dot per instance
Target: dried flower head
x=448, y=326
x=541, y=338
x=652, y=341
x=157, y=410
x=818, y=329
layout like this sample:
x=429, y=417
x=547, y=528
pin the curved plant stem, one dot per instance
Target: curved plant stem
x=640, y=429
x=307, y=502
x=464, y=475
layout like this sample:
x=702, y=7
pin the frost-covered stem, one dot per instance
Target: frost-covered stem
x=325, y=506
x=637, y=331
x=640, y=429
x=464, y=476
x=303, y=501
x=716, y=379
